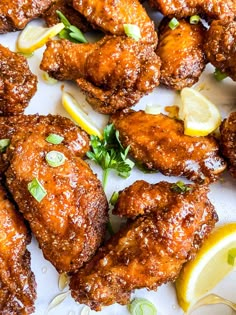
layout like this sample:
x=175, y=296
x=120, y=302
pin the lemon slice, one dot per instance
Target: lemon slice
x=79, y=115
x=211, y=264
x=34, y=37
x=200, y=116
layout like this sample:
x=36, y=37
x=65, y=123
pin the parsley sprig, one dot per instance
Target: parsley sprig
x=70, y=32
x=109, y=153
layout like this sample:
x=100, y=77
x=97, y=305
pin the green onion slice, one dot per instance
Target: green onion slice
x=173, y=23
x=232, y=257
x=54, y=138
x=133, y=31
x=194, y=19
x=55, y=158
x=114, y=198
x=141, y=306
x=37, y=190
x=219, y=76
x=4, y=143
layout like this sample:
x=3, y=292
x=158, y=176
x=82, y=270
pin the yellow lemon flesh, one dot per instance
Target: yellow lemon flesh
x=79, y=115
x=200, y=116
x=34, y=37
x=208, y=268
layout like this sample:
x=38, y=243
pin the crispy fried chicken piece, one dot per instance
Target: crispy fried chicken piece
x=181, y=53
x=228, y=141
x=159, y=143
x=73, y=16
x=114, y=73
x=214, y=9
x=110, y=16
x=69, y=222
x=14, y=15
x=220, y=46
x=17, y=283
x=17, y=83
x=166, y=230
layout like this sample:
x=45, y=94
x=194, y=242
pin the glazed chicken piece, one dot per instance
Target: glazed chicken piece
x=214, y=9
x=166, y=229
x=114, y=72
x=17, y=83
x=158, y=142
x=181, y=53
x=110, y=16
x=228, y=141
x=14, y=15
x=69, y=217
x=17, y=283
x=220, y=46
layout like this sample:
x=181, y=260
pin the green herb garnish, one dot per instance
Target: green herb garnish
x=141, y=306
x=194, y=19
x=110, y=154
x=114, y=198
x=55, y=158
x=180, y=187
x=54, y=138
x=4, y=143
x=232, y=257
x=37, y=190
x=173, y=23
x=219, y=76
x=70, y=32
x=133, y=31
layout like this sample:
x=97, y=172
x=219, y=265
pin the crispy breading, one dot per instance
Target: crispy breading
x=150, y=250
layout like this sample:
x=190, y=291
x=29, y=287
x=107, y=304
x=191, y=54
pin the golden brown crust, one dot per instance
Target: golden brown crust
x=181, y=53
x=159, y=143
x=151, y=249
x=17, y=83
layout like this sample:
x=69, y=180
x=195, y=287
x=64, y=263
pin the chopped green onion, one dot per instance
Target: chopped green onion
x=142, y=307
x=55, y=158
x=194, y=19
x=54, y=138
x=4, y=143
x=37, y=190
x=219, y=76
x=133, y=31
x=173, y=23
x=180, y=187
x=232, y=257
x=114, y=198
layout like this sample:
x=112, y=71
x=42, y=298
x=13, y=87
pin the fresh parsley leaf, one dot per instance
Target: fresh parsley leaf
x=180, y=187
x=70, y=32
x=110, y=154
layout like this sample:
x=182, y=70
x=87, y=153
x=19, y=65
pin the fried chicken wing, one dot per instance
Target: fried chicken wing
x=14, y=15
x=181, y=53
x=69, y=222
x=228, y=141
x=17, y=83
x=114, y=73
x=220, y=46
x=159, y=143
x=110, y=17
x=215, y=9
x=151, y=249
x=17, y=283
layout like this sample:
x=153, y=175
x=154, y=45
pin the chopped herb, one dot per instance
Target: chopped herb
x=194, y=19
x=4, y=143
x=114, y=198
x=180, y=187
x=219, y=76
x=110, y=154
x=133, y=31
x=70, y=32
x=37, y=190
x=173, y=23
x=232, y=257
x=54, y=138
x=55, y=158
x=141, y=306
x=143, y=168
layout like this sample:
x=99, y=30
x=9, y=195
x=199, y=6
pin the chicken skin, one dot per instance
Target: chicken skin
x=69, y=218
x=14, y=15
x=166, y=229
x=220, y=46
x=228, y=141
x=158, y=142
x=181, y=53
x=114, y=72
x=17, y=283
x=17, y=83
x=214, y=9
x=110, y=16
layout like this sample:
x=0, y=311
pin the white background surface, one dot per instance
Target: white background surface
x=222, y=194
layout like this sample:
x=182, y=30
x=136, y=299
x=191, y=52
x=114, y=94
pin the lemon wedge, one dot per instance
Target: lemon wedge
x=211, y=264
x=79, y=115
x=34, y=37
x=200, y=116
